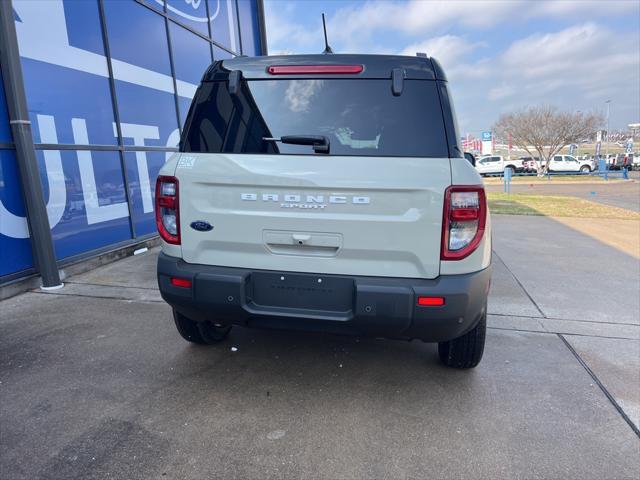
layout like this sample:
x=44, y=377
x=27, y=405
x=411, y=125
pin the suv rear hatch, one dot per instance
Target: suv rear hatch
x=371, y=206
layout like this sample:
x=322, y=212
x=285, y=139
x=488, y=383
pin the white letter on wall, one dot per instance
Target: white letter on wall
x=139, y=133
x=96, y=213
x=172, y=141
x=14, y=226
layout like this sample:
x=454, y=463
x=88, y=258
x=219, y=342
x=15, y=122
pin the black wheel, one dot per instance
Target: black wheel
x=202, y=333
x=465, y=351
x=585, y=169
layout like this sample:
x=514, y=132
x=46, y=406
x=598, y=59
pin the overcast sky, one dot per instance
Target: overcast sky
x=498, y=55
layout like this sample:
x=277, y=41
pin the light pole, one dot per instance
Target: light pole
x=579, y=112
x=606, y=145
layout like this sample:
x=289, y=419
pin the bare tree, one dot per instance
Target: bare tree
x=546, y=130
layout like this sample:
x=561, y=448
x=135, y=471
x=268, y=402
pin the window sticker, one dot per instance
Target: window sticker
x=186, y=162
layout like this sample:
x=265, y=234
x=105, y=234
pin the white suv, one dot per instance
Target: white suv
x=326, y=193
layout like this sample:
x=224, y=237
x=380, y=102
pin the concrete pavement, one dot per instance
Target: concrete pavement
x=96, y=383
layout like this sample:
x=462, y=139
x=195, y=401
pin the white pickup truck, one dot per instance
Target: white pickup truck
x=326, y=193
x=496, y=164
x=569, y=163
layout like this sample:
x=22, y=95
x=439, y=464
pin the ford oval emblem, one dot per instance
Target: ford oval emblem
x=195, y=13
x=201, y=226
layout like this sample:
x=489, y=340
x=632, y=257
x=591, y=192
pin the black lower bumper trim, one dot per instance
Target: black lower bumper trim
x=371, y=306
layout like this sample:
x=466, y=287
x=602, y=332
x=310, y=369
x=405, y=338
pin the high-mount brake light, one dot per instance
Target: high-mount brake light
x=167, y=209
x=463, y=222
x=314, y=69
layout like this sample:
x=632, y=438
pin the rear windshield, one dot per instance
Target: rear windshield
x=358, y=117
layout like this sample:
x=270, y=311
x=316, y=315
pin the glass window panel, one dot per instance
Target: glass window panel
x=247, y=11
x=191, y=54
x=224, y=23
x=64, y=68
x=137, y=36
x=83, y=20
x=357, y=117
x=142, y=171
x=139, y=47
x=66, y=95
x=15, y=246
x=220, y=54
x=86, y=193
x=185, y=104
x=192, y=13
x=147, y=116
x=5, y=131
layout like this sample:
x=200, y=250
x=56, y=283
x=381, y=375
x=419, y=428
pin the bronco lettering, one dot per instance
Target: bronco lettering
x=310, y=201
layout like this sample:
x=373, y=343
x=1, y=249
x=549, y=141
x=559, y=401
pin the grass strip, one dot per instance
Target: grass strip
x=613, y=177
x=554, y=206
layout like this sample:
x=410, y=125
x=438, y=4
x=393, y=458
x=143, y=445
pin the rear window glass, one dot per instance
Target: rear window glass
x=359, y=117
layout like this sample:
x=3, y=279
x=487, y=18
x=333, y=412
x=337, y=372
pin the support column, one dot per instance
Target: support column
x=37, y=219
x=262, y=27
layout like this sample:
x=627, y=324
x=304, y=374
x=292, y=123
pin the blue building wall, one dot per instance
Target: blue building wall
x=97, y=174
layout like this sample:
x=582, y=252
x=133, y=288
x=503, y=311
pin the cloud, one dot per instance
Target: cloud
x=300, y=92
x=448, y=49
x=546, y=54
x=284, y=34
x=586, y=56
x=576, y=68
x=503, y=91
x=417, y=16
x=581, y=9
x=356, y=25
x=574, y=63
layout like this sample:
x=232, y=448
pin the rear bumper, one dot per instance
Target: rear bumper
x=368, y=306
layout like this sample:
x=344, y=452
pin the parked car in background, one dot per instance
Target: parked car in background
x=610, y=159
x=496, y=164
x=634, y=161
x=621, y=161
x=569, y=163
x=530, y=164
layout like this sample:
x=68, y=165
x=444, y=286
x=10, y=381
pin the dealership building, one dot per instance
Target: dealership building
x=93, y=97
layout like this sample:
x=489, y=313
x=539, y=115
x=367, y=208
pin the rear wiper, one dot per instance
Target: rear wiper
x=320, y=143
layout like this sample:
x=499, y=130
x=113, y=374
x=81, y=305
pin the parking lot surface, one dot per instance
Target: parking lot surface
x=96, y=382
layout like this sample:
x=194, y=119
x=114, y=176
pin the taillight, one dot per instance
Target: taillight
x=167, y=209
x=464, y=219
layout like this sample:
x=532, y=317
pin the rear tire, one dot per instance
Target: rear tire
x=465, y=351
x=202, y=333
x=585, y=169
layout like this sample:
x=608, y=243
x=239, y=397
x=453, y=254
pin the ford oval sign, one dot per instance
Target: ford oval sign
x=191, y=10
x=201, y=226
